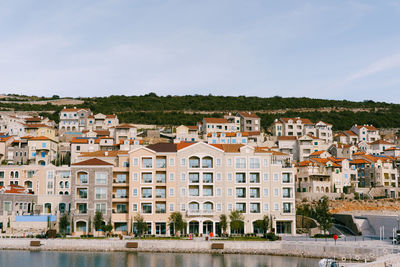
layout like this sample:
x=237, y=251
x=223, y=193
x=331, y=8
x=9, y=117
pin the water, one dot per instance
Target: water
x=13, y=258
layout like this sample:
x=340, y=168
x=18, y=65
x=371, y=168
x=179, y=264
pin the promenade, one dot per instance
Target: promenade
x=344, y=251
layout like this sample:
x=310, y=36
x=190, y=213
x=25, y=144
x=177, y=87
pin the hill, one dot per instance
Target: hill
x=175, y=110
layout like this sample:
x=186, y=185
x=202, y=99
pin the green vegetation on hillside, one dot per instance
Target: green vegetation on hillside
x=176, y=110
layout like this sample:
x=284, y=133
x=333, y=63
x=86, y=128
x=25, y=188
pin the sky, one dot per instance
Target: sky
x=320, y=49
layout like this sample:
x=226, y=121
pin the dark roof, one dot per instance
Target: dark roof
x=163, y=147
x=94, y=162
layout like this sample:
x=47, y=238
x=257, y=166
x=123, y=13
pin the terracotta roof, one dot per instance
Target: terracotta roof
x=3, y=139
x=231, y=148
x=163, y=147
x=325, y=162
x=350, y=133
x=102, y=153
x=273, y=152
x=286, y=138
x=368, y=127
x=392, y=149
x=249, y=115
x=359, y=153
x=39, y=138
x=76, y=140
x=73, y=109
x=381, y=142
x=125, y=126
x=92, y=162
x=313, y=137
x=192, y=127
x=111, y=116
x=33, y=119
x=317, y=153
x=182, y=145
x=305, y=163
x=303, y=121
x=215, y=120
x=359, y=161
x=36, y=125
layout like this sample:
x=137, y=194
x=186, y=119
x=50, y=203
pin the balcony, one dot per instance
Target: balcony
x=120, y=198
x=119, y=182
x=200, y=212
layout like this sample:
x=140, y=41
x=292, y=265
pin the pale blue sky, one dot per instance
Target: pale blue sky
x=323, y=49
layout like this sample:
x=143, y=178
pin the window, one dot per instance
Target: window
x=7, y=206
x=121, y=208
x=229, y=162
x=287, y=207
x=276, y=177
x=229, y=191
x=183, y=192
x=83, y=178
x=240, y=163
x=183, y=207
x=171, y=207
x=135, y=177
x=240, y=178
x=207, y=191
x=183, y=177
x=207, y=162
x=160, y=177
x=265, y=192
x=208, y=206
x=135, y=192
x=219, y=176
x=286, y=193
x=285, y=177
x=241, y=207
x=254, y=192
x=147, y=162
x=121, y=193
x=134, y=207
x=78, y=148
x=101, y=207
x=276, y=206
x=266, y=207
x=276, y=192
x=254, y=207
x=147, y=178
x=254, y=177
x=218, y=191
x=193, y=177
x=194, y=191
x=82, y=193
x=121, y=178
x=171, y=192
x=161, y=162
x=265, y=177
x=230, y=207
x=254, y=163
x=135, y=161
x=219, y=207
x=207, y=178
x=82, y=208
x=160, y=208
x=147, y=193
x=2, y=174
x=101, y=193
x=101, y=178
x=171, y=161
x=218, y=162
x=147, y=208
x=241, y=192
x=43, y=145
x=194, y=162
x=193, y=206
x=63, y=174
x=229, y=176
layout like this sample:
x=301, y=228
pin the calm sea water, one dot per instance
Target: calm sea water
x=12, y=258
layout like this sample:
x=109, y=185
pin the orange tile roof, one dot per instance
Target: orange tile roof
x=303, y=121
x=4, y=139
x=368, y=127
x=192, y=127
x=39, y=138
x=317, y=153
x=359, y=161
x=125, y=126
x=350, y=133
x=182, y=145
x=215, y=120
x=92, y=162
x=305, y=163
x=101, y=153
x=36, y=125
x=286, y=138
x=249, y=115
x=381, y=142
x=111, y=116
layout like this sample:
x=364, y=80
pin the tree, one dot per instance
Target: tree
x=176, y=220
x=72, y=225
x=90, y=225
x=223, y=222
x=64, y=222
x=263, y=224
x=141, y=225
x=98, y=221
x=108, y=227
x=323, y=216
x=48, y=222
x=236, y=218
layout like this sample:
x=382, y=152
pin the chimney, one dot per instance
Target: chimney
x=106, y=153
x=74, y=107
x=65, y=107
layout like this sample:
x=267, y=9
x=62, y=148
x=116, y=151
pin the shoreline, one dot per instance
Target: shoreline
x=350, y=251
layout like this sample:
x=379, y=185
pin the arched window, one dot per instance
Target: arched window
x=61, y=207
x=12, y=174
x=61, y=193
x=208, y=206
x=66, y=184
x=66, y=193
x=207, y=162
x=28, y=184
x=194, y=162
x=16, y=174
x=61, y=184
x=194, y=206
x=47, y=208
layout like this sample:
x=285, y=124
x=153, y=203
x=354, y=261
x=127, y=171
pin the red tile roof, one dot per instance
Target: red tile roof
x=215, y=120
x=286, y=138
x=92, y=162
x=249, y=115
x=303, y=121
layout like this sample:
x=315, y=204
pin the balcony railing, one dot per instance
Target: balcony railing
x=200, y=212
